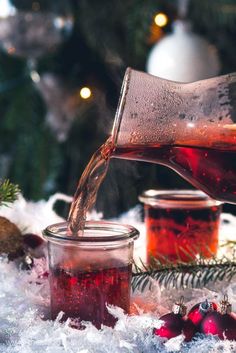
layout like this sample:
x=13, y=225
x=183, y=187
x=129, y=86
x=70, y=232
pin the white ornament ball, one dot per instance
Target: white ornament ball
x=183, y=56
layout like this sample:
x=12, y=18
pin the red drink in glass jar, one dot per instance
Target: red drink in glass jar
x=180, y=225
x=86, y=294
x=89, y=272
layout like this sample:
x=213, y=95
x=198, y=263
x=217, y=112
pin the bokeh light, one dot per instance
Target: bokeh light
x=161, y=19
x=85, y=92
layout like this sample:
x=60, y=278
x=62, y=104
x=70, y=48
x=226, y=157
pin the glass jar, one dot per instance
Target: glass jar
x=89, y=272
x=180, y=225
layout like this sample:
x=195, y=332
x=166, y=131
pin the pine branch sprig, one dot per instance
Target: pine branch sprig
x=194, y=274
x=8, y=192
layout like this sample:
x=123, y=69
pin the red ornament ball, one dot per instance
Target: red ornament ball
x=175, y=325
x=199, y=311
x=171, y=327
x=222, y=325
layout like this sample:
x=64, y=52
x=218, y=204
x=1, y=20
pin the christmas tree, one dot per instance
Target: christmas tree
x=56, y=113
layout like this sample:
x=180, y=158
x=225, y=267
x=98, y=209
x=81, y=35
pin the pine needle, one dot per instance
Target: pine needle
x=8, y=192
x=194, y=274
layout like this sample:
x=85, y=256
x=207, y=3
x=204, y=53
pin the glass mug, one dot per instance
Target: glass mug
x=180, y=225
x=90, y=272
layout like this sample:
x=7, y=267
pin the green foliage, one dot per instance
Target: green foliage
x=8, y=192
x=108, y=36
x=119, y=31
x=195, y=274
x=28, y=141
x=221, y=12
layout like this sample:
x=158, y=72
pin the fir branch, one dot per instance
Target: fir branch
x=8, y=192
x=181, y=275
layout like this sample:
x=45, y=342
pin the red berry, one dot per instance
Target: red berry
x=32, y=240
x=34, y=244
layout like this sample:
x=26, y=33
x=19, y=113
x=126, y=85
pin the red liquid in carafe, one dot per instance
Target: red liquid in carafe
x=84, y=295
x=211, y=170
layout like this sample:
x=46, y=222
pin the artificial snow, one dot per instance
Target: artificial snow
x=24, y=303
x=24, y=329
x=33, y=217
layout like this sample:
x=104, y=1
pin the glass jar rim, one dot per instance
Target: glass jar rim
x=96, y=229
x=177, y=198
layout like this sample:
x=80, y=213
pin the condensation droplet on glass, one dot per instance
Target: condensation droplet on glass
x=203, y=131
x=153, y=107
x=133, y=115
x=135, y=137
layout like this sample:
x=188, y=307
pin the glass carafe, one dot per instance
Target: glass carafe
x=189, y=127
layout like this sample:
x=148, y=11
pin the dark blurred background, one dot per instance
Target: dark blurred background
x=61, y=68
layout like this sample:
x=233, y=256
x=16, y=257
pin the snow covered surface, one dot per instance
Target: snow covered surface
x=24, y=302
